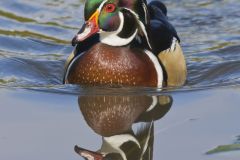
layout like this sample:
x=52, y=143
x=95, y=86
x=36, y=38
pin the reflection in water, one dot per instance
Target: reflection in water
x=112, y=117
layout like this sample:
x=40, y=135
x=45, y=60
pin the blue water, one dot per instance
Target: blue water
x=35, y=40
x=40, y=117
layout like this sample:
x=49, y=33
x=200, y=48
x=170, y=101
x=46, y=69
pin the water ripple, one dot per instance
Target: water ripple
x=35, y=41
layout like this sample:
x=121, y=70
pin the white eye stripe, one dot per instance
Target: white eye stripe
x=101, y=5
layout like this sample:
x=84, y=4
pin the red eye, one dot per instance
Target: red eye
x=110, y=8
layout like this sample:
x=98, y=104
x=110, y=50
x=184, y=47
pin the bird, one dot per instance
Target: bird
x=112, y=117
x=109, y=115
x=126, y=146
x=126, y=43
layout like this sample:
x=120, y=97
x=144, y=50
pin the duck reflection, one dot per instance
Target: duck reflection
x=112, y=117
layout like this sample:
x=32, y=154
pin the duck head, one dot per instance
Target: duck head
x=128, y=146
x=117, y=22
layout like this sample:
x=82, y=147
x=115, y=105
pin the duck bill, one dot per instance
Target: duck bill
x=88, y=29
x=88, y=155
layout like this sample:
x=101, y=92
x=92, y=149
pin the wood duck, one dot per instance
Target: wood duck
x=112, y=117
x=128, y=146
x=126, y=43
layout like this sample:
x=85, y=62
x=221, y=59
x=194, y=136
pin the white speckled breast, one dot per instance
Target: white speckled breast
x=114, y=66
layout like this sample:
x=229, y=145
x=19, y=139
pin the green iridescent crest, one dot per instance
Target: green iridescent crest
x=108, y=20
x=90, y=7
x=135, y=5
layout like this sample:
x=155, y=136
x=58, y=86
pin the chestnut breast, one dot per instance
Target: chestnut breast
x=111, y=115
x=115, y=66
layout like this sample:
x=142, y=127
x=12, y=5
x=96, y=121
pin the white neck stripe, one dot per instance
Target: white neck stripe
x=117, y=140
x=141, y=25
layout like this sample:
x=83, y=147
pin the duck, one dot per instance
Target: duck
x=112, y=117
x=126, y=43
x=126, y=146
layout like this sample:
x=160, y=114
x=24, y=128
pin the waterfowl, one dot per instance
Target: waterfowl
x=126, y=43
x=127, y=146
x=112, y=117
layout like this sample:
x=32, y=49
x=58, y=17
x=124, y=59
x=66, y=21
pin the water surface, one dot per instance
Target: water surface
x=35, y=40
x=44, y=121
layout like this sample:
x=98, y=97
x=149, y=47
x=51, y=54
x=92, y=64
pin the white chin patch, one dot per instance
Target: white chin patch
x=114, y=40
x=84, y=34
x=88, y=156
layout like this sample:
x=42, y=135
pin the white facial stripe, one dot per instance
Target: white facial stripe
x=158, y=67
x=145, y=33
x=141, y=25
x=117, y=31
x=112, y=38
x=117, y=140
x=101, y=5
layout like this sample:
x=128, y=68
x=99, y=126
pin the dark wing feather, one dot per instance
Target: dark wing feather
x=161, y=32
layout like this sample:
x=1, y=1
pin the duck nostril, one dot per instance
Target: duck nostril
x=87, y=24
